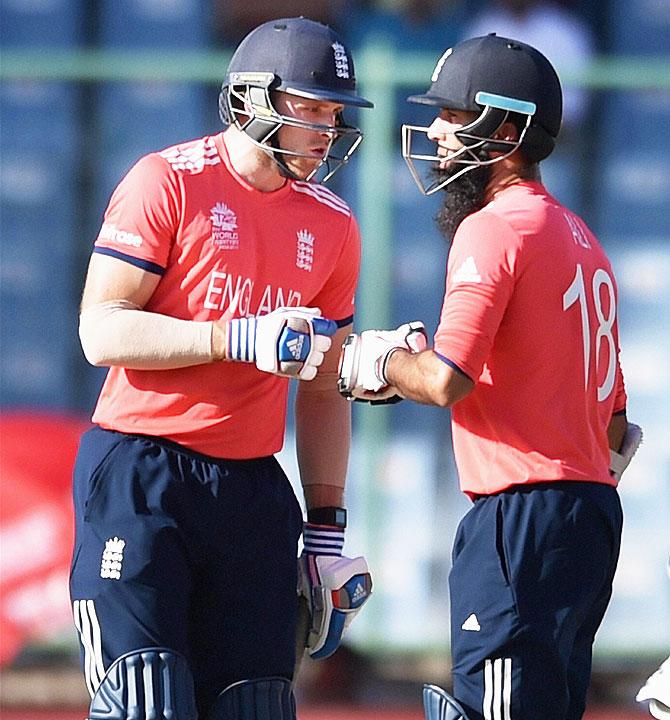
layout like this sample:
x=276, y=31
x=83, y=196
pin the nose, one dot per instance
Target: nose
x=332, y=119
x=436, y=130
x=328, y=121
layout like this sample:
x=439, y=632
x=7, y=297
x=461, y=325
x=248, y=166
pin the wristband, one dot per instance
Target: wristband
x=240, y=345
x=336, y=516
x=322, y=539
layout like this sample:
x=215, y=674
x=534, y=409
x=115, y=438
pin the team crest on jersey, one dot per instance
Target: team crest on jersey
x=112, y=559
x=305, y=250
x=224, y=227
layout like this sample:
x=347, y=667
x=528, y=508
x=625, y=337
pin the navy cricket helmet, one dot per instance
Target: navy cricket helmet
x=297, y=56
x=502, y=80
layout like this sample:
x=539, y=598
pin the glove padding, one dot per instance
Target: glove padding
x=335, y=587
x=657, y=691
x=619, y=461
x=363, y=361
x=290, y=342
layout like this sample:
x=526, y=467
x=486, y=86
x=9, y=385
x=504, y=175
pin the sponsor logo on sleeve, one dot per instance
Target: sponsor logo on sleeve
x=122, y=237
x=467, y=272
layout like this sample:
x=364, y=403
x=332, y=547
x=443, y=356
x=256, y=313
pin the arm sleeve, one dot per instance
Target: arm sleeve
x=142, y=217
x=337, y=296
x=120, y=333
x=480, y=282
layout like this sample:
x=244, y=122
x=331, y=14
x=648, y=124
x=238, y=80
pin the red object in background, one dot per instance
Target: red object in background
x=37, y=452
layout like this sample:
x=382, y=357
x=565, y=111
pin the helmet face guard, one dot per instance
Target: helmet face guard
x=501, y=80
x=246, y=102
x=303, y=58
x=476, y=139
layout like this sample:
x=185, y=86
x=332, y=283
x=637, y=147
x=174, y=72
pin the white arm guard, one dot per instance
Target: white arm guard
x=288, y=341
x=619, y=461
x=118, y=332
x=362, y=369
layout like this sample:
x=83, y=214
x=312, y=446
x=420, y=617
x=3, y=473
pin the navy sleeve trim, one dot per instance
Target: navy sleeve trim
x=619, y=412
x=453, y=365
x=345, y=321
x=137, y=262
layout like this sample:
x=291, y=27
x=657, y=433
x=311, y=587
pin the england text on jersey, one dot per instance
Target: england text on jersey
x=223, y=249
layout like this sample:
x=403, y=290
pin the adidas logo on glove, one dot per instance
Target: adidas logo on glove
x=295, y=346
x=360, y=593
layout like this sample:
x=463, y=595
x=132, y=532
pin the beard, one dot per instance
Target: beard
x=462, y=197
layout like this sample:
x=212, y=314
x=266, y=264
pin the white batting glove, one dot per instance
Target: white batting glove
x=657, y=691
x=290, y=342
x=619, y=461
x=335, y=587
x=362, y=369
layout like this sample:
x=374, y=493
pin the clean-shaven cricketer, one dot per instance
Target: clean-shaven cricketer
x=209, y=286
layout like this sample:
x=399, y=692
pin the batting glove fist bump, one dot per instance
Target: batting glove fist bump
x=335, y=587
x=364, y=356
x=290, y=342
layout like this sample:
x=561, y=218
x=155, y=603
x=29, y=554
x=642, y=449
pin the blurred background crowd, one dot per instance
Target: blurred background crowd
x=89, y=87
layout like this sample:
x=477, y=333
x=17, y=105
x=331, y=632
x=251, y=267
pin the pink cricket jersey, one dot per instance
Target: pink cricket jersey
x=222, y=249
x=529, y=314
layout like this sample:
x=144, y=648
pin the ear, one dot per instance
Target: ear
x=507, y=131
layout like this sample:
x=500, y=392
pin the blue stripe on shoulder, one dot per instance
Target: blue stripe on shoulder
x=344, y=322
x=453, y=365
x=137, y=262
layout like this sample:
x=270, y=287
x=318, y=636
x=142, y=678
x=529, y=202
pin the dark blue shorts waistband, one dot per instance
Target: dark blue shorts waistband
x=183, y=450
x=583, y=488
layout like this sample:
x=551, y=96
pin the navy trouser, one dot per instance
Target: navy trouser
x=531, y=579
x=179, y=550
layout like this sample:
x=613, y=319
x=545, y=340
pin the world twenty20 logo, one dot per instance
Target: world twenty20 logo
x=224, y=227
